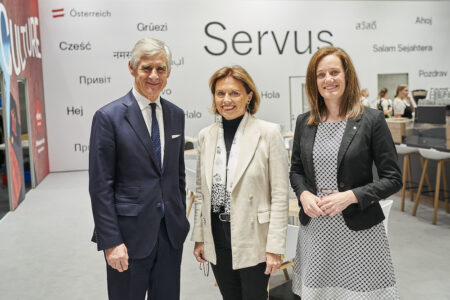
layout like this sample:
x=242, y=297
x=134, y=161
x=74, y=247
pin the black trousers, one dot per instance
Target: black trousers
x=157, y=275
x=242, y=284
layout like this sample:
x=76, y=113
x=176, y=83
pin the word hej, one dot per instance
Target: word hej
x=18, y=42
x=75, y=111
x=243, y=42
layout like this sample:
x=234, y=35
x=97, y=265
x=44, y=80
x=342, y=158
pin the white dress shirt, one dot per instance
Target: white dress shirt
x=144, y=105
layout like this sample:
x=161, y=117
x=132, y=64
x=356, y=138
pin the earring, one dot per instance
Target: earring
x=248, y=106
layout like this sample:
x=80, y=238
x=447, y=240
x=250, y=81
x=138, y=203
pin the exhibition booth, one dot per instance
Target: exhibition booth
x=62, y=60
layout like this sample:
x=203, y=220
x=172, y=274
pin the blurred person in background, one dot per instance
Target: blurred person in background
x=384, y=104
x=365, y=99
x=403, y=105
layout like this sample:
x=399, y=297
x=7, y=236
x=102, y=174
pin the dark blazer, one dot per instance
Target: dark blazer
x=126, y=185
x=366, y=139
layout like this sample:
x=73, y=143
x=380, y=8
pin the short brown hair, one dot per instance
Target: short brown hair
x=351, y=106
x=238, y=73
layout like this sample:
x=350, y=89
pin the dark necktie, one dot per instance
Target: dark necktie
x=156, y=140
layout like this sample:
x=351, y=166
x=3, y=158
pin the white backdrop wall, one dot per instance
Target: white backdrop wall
x=85, y=43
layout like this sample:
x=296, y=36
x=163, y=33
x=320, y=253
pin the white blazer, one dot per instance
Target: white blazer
x=259, y=197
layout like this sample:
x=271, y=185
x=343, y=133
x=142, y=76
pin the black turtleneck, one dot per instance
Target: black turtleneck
x=229, y=129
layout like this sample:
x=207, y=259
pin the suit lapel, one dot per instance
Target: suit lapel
x=249, y=141
x=350, y=130
x=210, y=150
x=134, y=117
x=167, y=119
x=308, y=137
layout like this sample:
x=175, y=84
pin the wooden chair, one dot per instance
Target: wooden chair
x=442, y=158
x=291, y=248
x=407, y=151
x=191, y=202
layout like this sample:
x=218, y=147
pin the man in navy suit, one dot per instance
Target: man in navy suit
x=137, y=182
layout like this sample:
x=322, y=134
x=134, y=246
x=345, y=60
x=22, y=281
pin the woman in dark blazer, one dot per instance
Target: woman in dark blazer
x=343, y=251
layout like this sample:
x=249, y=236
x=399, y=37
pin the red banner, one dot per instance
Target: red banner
x=20, y=60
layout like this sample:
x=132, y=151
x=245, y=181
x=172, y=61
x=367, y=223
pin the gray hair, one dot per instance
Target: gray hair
x=150, y=46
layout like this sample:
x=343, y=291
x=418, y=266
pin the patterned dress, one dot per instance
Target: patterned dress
x=332, y=261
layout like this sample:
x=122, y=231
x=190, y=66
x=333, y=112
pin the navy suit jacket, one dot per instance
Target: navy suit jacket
x=126, y=185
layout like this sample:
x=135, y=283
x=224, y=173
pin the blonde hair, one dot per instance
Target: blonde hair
x=364, y=90
x=400, y=88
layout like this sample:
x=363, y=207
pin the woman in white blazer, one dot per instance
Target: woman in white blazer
x=241, y=204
